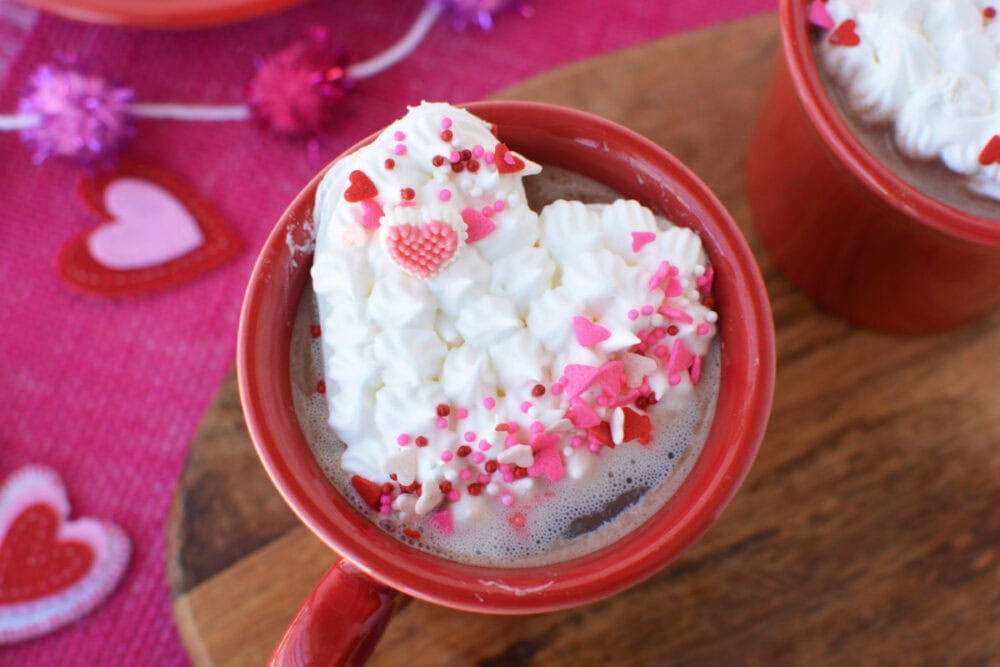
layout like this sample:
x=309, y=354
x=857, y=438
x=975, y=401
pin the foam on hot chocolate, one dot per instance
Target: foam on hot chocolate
x=506, y=382
x=929, y=72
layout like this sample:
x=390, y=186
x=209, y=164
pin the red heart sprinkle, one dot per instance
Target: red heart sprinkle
x=34, y=563
x=991, y=152
x=846, y=34
x=507, y=162
x=361, y=187
x=369, y=491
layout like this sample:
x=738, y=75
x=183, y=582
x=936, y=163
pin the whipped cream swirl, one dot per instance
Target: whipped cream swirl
x=930, y=70
x=478, y=353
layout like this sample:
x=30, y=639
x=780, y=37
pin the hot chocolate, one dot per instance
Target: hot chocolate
x=506, y=382
x=916, y=81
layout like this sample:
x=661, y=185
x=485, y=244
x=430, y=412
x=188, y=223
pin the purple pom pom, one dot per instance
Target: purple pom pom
x=79, y=116
x=463, y=13
x=296, y=90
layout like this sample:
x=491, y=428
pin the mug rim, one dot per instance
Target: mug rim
x=746, y=333
x=847, y=148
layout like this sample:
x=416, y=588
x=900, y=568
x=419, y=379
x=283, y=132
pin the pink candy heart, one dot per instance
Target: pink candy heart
x=424, y=249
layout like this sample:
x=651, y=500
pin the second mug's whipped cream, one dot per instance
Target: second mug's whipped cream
x=481, y=358
x=931, y=69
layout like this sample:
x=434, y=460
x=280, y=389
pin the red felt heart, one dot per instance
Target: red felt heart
x=133, y=252
x=991, y=152
x=52, y=570
x=361, y=187
x=507, y=162
x=34, y=563
x=846, y=34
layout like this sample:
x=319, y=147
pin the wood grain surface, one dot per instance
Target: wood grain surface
x=868, y=531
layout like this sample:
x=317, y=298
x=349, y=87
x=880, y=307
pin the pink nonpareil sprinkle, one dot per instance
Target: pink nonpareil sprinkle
x=441, y=423
x=477, y=151
x=455, y=157
x=485, y=446
x=499, y=205
x=510, y=441
x=454, y=495
x=484, y=478
x=633, y=314
x=477, y=457
x=525, y=406
x=537, y=427
x=469, y=436
x=399, y=149
x=446, y=123
x=446, y=456
x=465, y=475
x=444, y=195
x=461, y=413
x=489, y=402
x=647, y=310
x=703, y=329
x=399, y=135
x=402, y=439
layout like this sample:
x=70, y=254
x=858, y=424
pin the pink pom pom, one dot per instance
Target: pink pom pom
x=79, y=116
x=295, y=91
x=478, y=12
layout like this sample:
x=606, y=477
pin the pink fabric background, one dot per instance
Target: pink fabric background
x=109, y=393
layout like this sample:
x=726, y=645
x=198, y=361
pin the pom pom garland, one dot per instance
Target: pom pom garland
x=65, y=112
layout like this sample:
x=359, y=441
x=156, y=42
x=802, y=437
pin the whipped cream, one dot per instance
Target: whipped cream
x=479, y=357
x=930, y=70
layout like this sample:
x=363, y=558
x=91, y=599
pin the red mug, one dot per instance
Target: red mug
x=856, y=238
x=346, y=613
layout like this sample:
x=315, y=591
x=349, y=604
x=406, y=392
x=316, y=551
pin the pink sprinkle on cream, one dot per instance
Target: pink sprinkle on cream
x=465, y=474
x=444, y=195
x=702, y=329
x=400, y=149
x=461, y=413
x=441, y=422
x=485, y=446
x=469, y=436
x=446, y=123
x=477, y=151
x=484, y=478
x=525, y=406
x=489, y=157
x=399, y=135
x=446, y=455
x=633, y=314
x=640, y=239
x=455, y=157
x=537, y=427
x=489, y=402
x=647, y=310
x=454, y=495
x=402, y=439
x=510, y=441
x=499, y=205
x=477, y=457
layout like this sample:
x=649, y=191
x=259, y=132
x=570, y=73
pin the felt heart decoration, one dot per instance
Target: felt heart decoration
x=52, y=571
x=507, y=162
x=360, y=188
x=846, y=34
x=156, y=232
x=991, y=152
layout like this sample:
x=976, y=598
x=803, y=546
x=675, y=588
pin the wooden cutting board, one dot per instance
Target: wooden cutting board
x=868, y=531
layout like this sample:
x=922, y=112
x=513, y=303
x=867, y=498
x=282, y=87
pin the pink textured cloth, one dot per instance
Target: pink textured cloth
x=110, y=392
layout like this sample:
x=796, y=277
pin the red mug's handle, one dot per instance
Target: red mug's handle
x=339, y=623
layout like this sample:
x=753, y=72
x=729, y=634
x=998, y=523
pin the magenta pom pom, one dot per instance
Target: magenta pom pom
x=78, y=116
x=295, y=92
x=463, y=13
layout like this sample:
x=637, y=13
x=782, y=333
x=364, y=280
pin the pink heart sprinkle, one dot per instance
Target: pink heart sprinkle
x=582, y=414
x=819, y=16
x=150, y=227
x=479, y=226
x=547, y=463
x=639, y=239
x=424, y=249
x=588, y=333
x=371, y=213
x=578, y=378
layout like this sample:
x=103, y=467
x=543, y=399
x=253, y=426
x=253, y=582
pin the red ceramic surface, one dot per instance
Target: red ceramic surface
x=160, y=13
x=858, y=240
x=634, y=167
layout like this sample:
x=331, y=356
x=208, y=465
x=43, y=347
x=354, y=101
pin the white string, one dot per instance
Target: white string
x=191, y=111
x=240, y=112
x=18, y=122
x=400, y=49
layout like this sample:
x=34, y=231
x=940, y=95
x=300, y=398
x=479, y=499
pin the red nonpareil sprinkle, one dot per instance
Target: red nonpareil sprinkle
x=538, y=390
x=437, y=160
x=446, y=135
x=393, y=476
x=443, y=410
x=463, y=451
x=409, y=488
x=407, y=194
x=466, y=155
x=409, y=532
x=457, y=167
x=315, y=331
x=321, y=387
x=708, y=302
x=472, y=166
x=502, y=427
x=390, y=163
x=387, y=489
x=520, y=473
x=518, y=520
x=642, y=402
x=445, y=487
x=474, y=489
x=672, y=330
x=491, y=466
x=420, y=441
x=989, y=13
